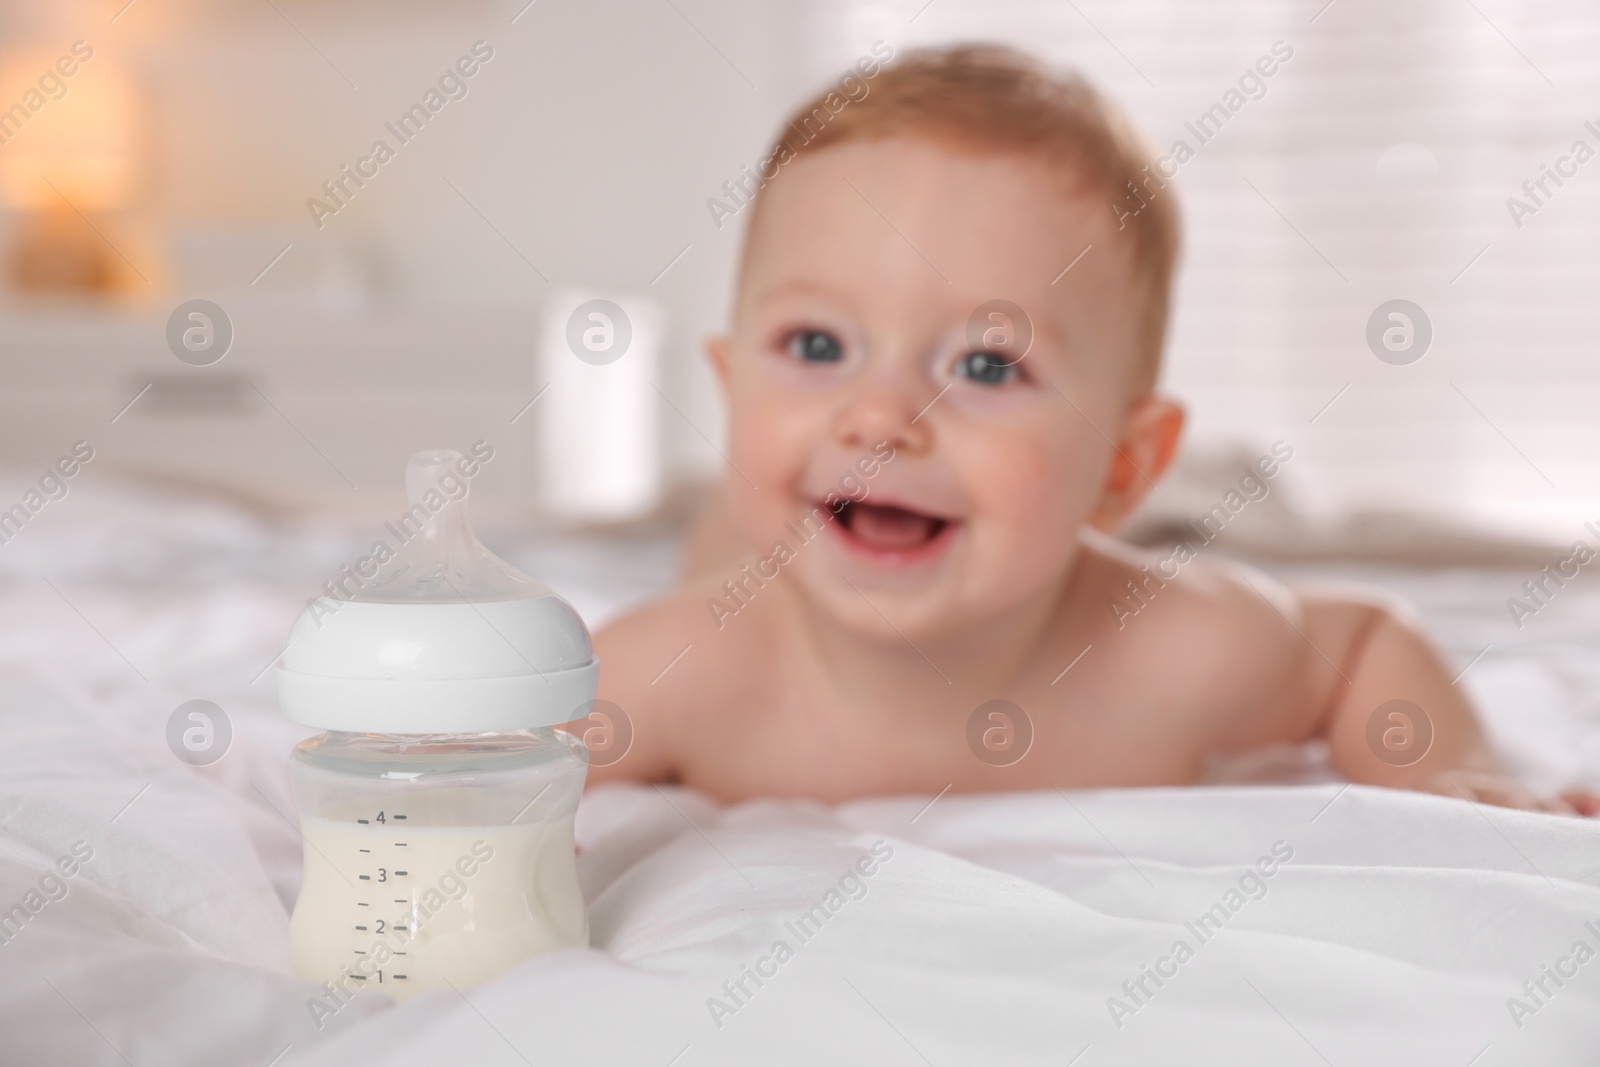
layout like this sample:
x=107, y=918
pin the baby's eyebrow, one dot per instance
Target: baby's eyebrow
x=797, y=286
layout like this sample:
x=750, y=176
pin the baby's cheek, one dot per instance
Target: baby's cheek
x=1037, y=479
x=768, y=445
x=1032, y=530
x=759, y=436
x=1033, y=501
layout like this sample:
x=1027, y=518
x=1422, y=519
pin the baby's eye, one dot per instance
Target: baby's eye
x=987, y=368
x=815, y=346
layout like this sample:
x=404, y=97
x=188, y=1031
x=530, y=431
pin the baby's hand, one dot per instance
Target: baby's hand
x=1486, y=787
x=1585, y=802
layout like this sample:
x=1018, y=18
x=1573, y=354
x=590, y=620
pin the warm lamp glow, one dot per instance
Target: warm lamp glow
x=69, y=134
x=77, y=134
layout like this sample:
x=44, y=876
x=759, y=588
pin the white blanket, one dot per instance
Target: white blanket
x=1038, y=928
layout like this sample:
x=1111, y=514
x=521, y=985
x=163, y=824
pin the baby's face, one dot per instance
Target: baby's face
x=865, y=264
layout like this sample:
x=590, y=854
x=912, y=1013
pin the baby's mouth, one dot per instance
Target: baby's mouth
x=888, y=528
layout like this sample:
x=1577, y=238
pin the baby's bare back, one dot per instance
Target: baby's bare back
x=1130, y=685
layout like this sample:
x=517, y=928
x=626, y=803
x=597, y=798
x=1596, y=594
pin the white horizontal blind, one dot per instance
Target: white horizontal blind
x=1376, y=166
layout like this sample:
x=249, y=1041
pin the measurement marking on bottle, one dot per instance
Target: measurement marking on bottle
x=362, y=928
x=400, y=900
x=362, y=904
x=400, y=928
x=363, y=822
x=366, y=877
x=399, y=844
x=399, y=874
x=399, y=978
x=400, y=816
x=359, y=977
x=360, y=952
x=363, y=850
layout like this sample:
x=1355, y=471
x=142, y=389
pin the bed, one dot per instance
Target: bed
x=1037, y=928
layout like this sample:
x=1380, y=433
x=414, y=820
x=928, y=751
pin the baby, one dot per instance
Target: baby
x=940, y=384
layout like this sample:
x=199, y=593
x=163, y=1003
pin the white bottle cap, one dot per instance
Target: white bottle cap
x=445, y=637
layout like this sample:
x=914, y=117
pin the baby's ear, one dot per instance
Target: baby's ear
x=717, y=353
x=1147, y=447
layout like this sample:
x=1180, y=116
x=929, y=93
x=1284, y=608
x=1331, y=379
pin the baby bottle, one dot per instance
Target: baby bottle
x=437, y=807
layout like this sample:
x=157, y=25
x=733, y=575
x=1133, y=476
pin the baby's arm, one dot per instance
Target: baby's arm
x=633, y=650
x=1394, y=716
x=671, y=671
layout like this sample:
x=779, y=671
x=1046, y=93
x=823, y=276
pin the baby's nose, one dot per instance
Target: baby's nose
x=884, y=411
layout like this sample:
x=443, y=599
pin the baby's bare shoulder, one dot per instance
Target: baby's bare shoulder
x=1221, y=635
x=660, y=646
x=668, y=664
x=1184, y=582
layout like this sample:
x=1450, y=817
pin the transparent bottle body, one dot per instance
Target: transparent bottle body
x=434, y=859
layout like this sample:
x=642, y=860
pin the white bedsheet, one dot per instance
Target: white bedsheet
x=997, y=932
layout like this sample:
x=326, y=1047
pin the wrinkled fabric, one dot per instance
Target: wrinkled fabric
x=1010, y=928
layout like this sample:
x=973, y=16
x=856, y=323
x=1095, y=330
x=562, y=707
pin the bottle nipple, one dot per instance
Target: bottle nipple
x=438, y=559
x=434, y=471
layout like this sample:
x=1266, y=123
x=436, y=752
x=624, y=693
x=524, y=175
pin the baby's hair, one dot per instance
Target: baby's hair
x=995, y=98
